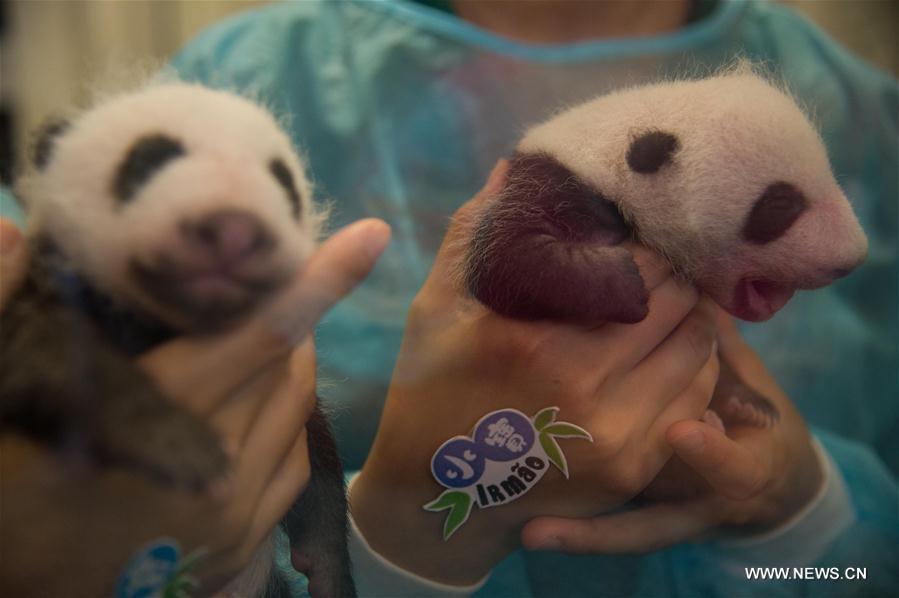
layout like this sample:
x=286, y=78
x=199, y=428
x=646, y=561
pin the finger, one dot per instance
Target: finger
x=691, y=403
x=736, y=352
x=287, y=485
x=338, y=266
x=459, y=225
x=208, y=370
x=654, y=269
x=237, y=417
x=626, y=345
x=13, y=260
x=582, y=341
x=672, y=366
x=729, y=467
x=638, y=531
x=233, y=418
x=274, y=432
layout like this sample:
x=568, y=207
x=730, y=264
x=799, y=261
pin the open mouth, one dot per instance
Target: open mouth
x=209, y=299
x=756, y=300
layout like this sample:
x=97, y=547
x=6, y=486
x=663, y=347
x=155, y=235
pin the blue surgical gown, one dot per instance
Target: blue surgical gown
x=403, y=109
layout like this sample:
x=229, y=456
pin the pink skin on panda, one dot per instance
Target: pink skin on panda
x=812, y=250
x=741, y=201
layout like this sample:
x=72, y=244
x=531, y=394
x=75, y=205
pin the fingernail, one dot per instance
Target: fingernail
x=10, y=236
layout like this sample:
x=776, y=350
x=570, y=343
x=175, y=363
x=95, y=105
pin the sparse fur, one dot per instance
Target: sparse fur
x=724, y=176
x=192, y=237
x=736, y=134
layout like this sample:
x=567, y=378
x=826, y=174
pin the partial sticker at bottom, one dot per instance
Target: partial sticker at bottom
x=158, y=571
x=506, y=455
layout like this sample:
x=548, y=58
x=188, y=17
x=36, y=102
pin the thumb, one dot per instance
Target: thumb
x=462, y=219
x=13, y=260
x=729, y=467
x=630, y=532
x=333, y=270
x=341, y=263
x=455, y=242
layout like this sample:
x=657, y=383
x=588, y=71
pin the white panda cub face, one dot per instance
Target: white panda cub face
x=724, y=176
x=186, y=202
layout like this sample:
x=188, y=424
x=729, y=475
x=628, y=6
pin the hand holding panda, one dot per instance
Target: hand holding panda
x=748, y=480
x=459, y=360
x=86, y=522
x=177, y=209
x=725, y=180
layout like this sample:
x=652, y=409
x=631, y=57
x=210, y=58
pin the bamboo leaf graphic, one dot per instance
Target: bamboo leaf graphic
x=183, y=582
x=459, y=504
x=555, y=454
x=566, y=430
x=545, y=417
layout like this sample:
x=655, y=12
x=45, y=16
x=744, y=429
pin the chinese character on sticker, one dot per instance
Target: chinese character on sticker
x=515, y=443
x=499, y=432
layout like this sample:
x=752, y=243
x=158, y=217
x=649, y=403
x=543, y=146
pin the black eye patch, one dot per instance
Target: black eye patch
x=650, y=151
x=282, y=174
x=45, y=141
x=774, y=213
x=145, y=158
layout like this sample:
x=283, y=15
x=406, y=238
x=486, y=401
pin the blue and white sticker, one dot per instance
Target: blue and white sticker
x=505, y=456
x=157, y=570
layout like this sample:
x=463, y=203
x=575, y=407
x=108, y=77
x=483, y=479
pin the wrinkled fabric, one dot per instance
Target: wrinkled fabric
x=402, y=111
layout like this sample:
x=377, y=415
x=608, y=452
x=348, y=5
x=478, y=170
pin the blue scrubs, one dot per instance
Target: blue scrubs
x=403, y=109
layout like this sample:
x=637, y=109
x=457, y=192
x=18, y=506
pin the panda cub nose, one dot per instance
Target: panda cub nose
x=228, y=236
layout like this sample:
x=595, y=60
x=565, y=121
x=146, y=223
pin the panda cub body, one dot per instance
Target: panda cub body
x=723, y=176
x=170, y=210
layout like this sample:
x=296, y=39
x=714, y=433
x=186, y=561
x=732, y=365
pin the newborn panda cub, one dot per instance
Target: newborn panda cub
x=723, y=176
x=171, y=210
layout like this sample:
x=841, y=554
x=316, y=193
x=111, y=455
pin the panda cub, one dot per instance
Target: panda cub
x=723, y=176
x=174, y=209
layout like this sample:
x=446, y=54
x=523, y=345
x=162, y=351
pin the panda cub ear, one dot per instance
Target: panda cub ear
x=652, y=150
x=45, y=139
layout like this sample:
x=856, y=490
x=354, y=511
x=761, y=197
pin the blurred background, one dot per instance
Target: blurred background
x=52, y=51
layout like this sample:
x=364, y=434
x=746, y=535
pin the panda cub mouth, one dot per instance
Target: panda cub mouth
x=208, y=299
x=210, y=270
x=757, y=299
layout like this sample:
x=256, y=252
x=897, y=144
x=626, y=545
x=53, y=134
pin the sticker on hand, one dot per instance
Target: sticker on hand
x=157, y=569
x=506, y=455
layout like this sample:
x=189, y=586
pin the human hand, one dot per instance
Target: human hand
x=85, y=522
x=625, y=384
x=749, y=480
